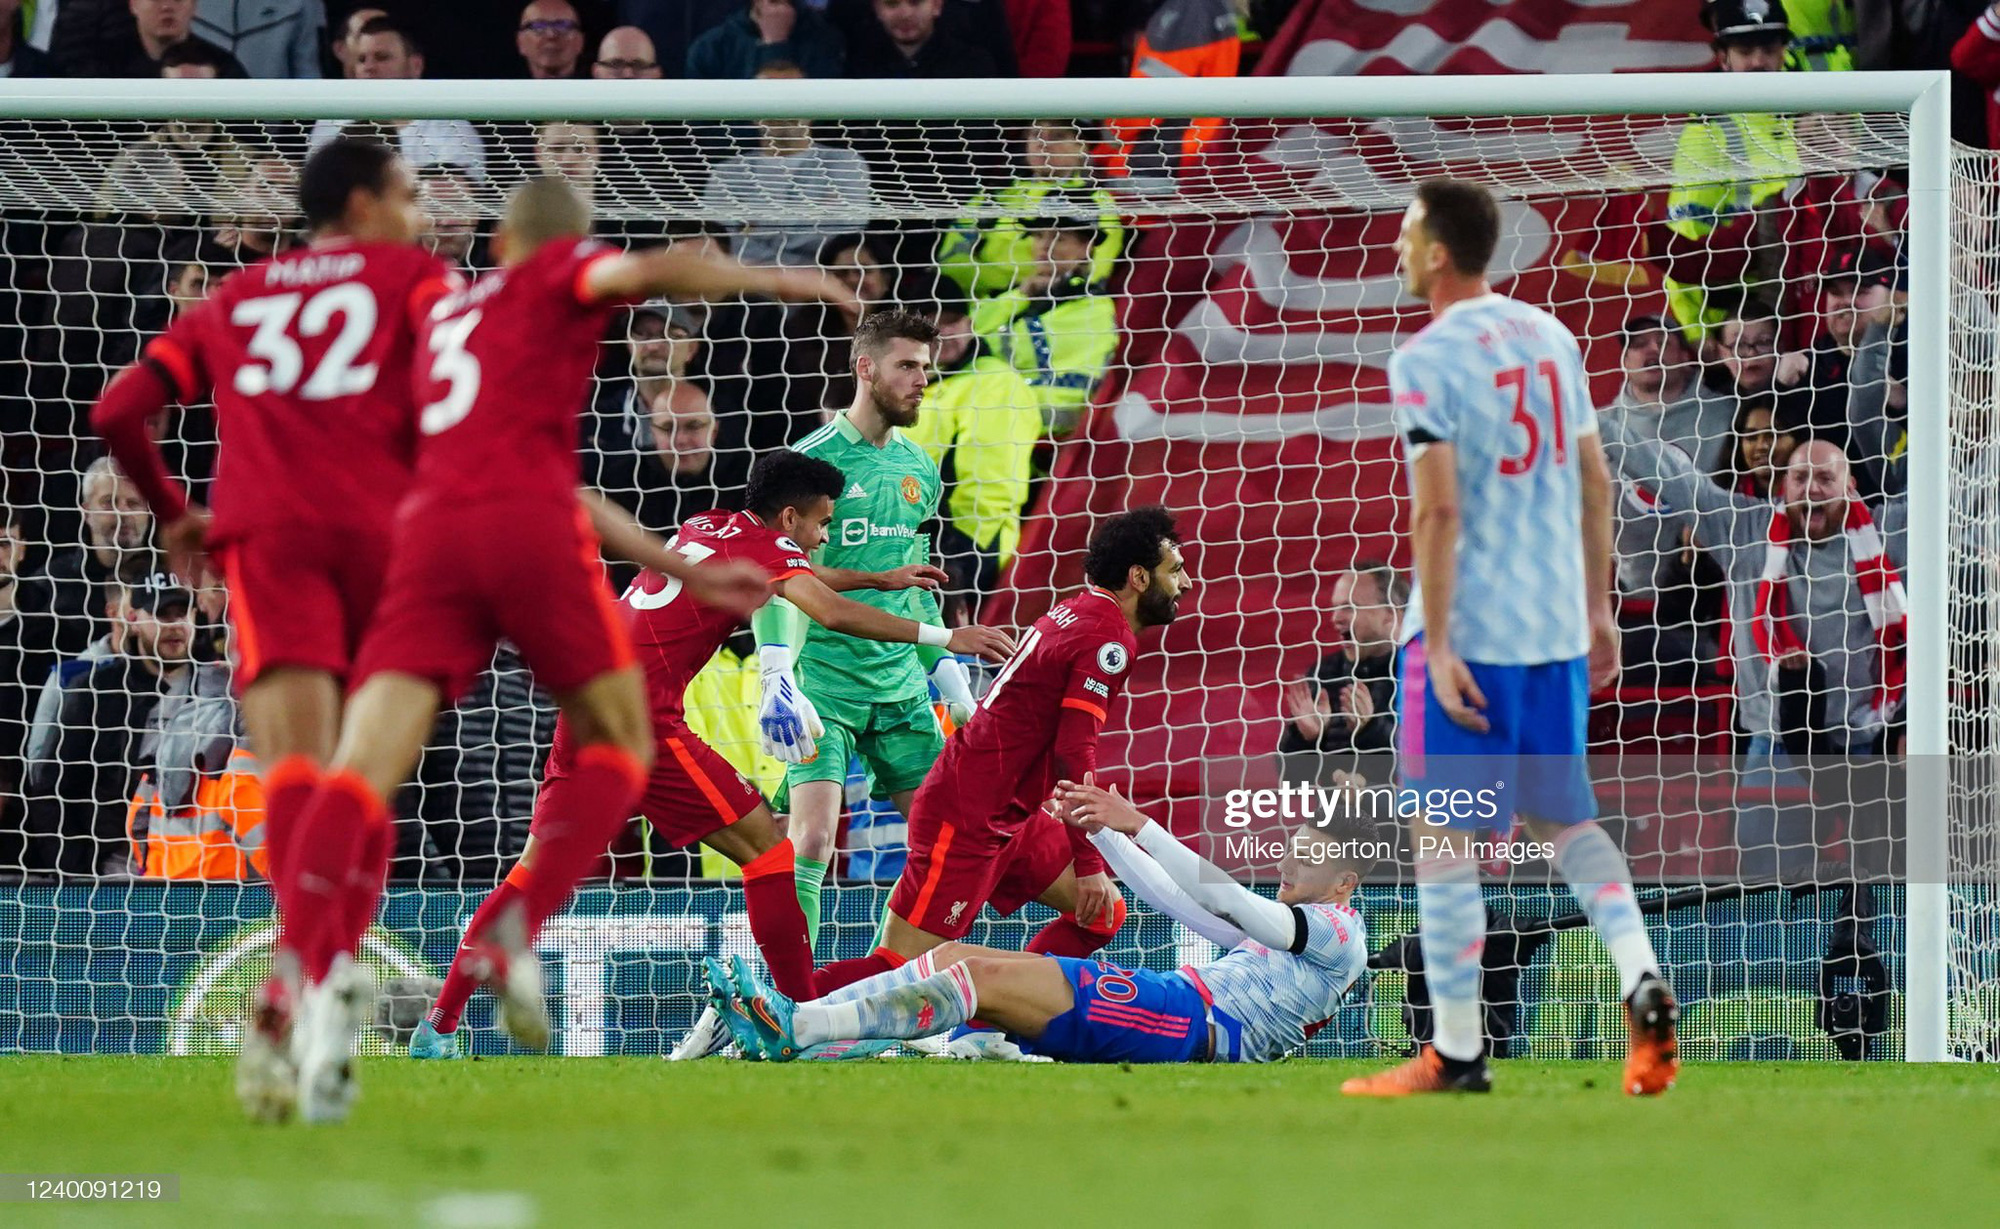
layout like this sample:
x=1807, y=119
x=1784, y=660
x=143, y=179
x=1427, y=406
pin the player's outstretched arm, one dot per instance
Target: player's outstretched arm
x=849, y=617
x=925, y=576
x=1137, y=870
x=686, y=271
x=737, y=585
x=1091, y=807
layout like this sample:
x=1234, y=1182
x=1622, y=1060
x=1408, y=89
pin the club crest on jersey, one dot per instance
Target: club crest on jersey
x=1111, y=658
x=911, y=491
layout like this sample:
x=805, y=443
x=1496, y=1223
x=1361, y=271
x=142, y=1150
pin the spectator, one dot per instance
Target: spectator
x=1346, y=712
x=275, y=38
x=626, y=54
x=1745, y=348
x=1823, y=36
x=854, y=260
x=64, y=605
x=79, y=795
x=386, y=51
x=988, y=253
x=1759, y=451
x=978, y=23
x=198, y=813
x=980, y=423
x=550, y=40
x=618, y=450
x=16, y=689
x=1183, y=38
x=126, y=38
x=452, y=201
x=1855, y=285
x=1815, y=671
x=1723, y=232
x=18, y=57
x=1059, y=330
x=790, y=195
x=569, y=151
x=683, y=433
x=674, y=25
x=1041, y=31
x=907, y=42
x=344, y=47
x=766, y=32
x=1977, y=56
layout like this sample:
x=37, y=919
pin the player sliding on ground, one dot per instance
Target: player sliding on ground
x=692, y=793
x=308, y=357
x=1509, y=629
x=492, y=542
x=1287, y=964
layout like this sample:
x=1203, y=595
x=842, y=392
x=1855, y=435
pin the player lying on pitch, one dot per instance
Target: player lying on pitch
x=1288, y=963
x=692, y=794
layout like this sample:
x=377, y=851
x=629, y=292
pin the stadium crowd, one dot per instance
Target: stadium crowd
x=1775, y=371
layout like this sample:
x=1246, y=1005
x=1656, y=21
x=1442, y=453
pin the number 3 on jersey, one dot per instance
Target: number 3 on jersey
x=453, y=365
x=1516, y=378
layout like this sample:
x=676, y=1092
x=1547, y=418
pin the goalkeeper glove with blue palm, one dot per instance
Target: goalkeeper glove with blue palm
x=786, y=718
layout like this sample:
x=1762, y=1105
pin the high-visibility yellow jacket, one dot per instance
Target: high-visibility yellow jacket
x=1061, y=345
x=1823, y=36
x=988, y=255
x=981, y=424
x=1726, y=168
x=721, y=705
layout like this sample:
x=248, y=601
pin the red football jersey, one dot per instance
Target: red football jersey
x=1075, y=656
x=504, y=373
x=674, y=636
x=307, y=355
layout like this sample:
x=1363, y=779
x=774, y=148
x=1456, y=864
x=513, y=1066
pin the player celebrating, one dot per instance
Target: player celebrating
x=1287, y=963
x=979, y=830
x=1509, y=628
x=491, y=543
x=693, y=794
x=865, y=697
x=308, y=357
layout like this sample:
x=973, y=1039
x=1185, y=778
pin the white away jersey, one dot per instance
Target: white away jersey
x=1503, y=384
x=1282, y=998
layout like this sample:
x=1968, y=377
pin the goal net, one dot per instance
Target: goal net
x=1191, y=312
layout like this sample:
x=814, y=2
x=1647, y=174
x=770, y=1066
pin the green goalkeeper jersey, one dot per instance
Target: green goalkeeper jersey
x=890, y=493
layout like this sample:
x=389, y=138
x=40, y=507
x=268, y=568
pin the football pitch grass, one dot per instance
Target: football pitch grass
x=890, y=1143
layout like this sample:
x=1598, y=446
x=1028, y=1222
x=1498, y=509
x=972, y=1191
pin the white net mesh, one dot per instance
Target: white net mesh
x=1221, y=348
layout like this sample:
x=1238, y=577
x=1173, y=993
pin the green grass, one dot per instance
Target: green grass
x=606, y=1142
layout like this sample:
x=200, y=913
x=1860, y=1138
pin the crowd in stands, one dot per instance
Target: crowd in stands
x=1779, y=359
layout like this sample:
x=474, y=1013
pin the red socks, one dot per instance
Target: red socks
x=334, y=837
x=847, y=972
x=1065, y=936
x=445, y=1014
x=584, y=812
x=778, y=923
x=288, y=790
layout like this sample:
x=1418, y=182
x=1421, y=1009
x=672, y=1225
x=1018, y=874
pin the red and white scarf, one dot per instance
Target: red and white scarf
x=1881, y=591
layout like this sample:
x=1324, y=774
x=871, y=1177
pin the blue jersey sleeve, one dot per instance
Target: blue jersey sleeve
x=1421, y=387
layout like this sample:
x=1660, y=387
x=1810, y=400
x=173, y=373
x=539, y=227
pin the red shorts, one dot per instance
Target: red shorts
x=301, y=595
x=957, y=865
x=463, y=579
x=692, y=792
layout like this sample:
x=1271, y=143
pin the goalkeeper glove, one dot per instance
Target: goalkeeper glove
x=954, y=688
x=786, y=718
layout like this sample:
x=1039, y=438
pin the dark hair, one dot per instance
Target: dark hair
x=334, y=171
x=1134, y=539
x=1729, y=472
x=193, y=51
x=784, y=479
x=1750, y=307
x=389, y=25
x=1462, y=217
x=878, y=329
x=1394, y=586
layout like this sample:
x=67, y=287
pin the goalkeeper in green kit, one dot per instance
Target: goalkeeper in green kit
x=851, y=696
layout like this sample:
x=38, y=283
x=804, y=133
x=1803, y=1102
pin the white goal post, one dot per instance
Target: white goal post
x=1921, y=98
